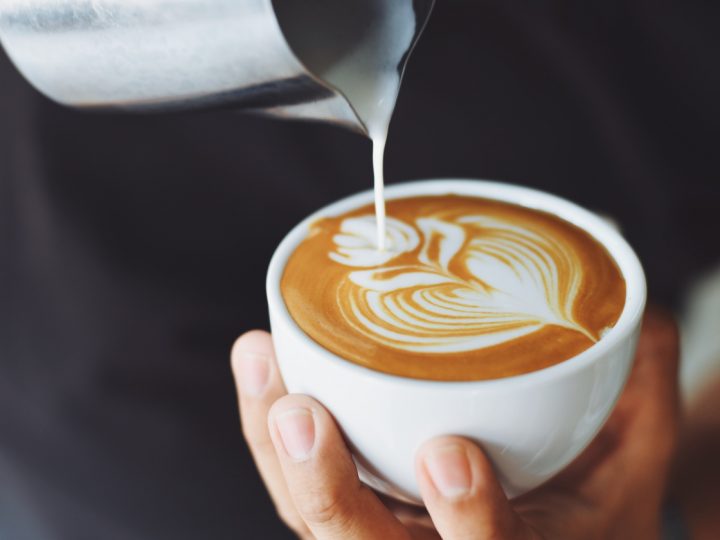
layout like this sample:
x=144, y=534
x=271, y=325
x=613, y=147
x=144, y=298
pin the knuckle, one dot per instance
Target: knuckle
x=323, y=507
x=257, y=437
x=259, y=444
x=249, y=432
x=249, y=429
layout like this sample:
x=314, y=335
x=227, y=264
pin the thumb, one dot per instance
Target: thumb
x=462, y=495
x=321, y=476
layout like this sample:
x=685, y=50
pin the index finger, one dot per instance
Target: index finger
x=259, y=385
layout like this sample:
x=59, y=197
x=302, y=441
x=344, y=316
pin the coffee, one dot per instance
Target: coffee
x=466, y=288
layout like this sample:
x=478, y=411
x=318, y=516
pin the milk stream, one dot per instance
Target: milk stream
x=370, y=80
x=378, y=143
x=357, y=46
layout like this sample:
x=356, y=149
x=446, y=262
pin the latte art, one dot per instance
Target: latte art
x=460, y=280
x=477, y=282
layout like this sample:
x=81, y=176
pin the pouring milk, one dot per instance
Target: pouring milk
x=357, y=46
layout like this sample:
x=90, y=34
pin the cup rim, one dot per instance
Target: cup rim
x=597, y=227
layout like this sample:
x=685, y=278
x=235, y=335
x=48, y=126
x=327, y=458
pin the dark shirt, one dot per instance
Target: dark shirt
x=133, y=248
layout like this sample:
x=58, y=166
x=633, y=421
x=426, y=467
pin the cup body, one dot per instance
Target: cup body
x=531, y=425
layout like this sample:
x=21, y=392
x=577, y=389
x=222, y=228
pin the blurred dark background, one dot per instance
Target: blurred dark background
x=133, y=248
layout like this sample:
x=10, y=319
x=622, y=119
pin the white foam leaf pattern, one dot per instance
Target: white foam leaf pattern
x=357, y=245
x=508, y=282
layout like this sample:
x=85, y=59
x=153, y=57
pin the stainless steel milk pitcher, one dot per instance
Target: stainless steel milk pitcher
x=274, y=56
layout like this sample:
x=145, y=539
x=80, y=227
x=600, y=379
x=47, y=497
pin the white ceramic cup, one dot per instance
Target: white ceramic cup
x=531, y=425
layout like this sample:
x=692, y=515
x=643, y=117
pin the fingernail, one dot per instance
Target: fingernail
x=254, y=373
x=297, y=431
x=449, y=469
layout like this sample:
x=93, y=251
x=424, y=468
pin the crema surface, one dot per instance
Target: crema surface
x=466, y=288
